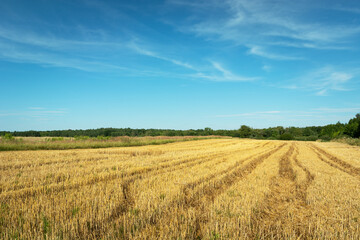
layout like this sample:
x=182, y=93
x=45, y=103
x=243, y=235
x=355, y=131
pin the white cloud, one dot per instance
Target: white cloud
x=259, y=51
x=267, y=24
x=37, y=112
x=266, y=68
x=225, y=75
x=337, y=110
x=146, y=52
x=323, y=81
x=251, y=114
x=348, y=9
x=57, y=60
x=50, y=41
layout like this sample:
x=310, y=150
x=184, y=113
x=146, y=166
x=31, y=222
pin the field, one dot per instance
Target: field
x=205, y=189
x=60, y=143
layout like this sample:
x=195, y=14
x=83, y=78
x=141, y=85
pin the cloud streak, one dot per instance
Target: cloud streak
x=36, y=112
x=146, y=52
x=259, y=51
x=250, y=114
x=261, y=24
x=323, y=81
x=321, y=112
x=225, y=75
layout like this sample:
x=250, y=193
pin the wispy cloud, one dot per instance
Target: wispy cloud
x=260, y=51
x=348, y=9
x=55, y=52
x=266, y=68
x=57, y=60
x=36, y=112
x=23, y=46
x=53, y=42
x=146, y=52
x=315, y=113
x=337, y=110
x=249, y=114
x=262, y=23
x=323, y=81
x=225, y=75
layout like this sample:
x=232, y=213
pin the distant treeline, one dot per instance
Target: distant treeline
x=328, y=132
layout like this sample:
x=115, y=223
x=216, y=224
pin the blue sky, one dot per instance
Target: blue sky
x=178, y=64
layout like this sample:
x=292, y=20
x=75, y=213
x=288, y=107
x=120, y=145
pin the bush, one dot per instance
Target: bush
x=286, y=136
x=306, y=138
x=83, y=138
x=325, y=138
x=54, y=139
x=312, y=138
x=103, y=137
x=7, y=137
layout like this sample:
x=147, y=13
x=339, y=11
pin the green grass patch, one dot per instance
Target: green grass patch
x=350, y=141
x=87, y=143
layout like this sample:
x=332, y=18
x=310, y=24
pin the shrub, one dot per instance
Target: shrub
x=286, y=136
x=325, y=138
x=8, y=137
x=82, y=138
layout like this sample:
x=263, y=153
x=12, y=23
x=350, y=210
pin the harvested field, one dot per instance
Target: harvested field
x=204, y=189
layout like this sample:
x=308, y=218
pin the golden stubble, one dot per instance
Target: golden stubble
x=205, y=189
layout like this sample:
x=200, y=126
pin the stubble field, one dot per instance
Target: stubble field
x=205, y=189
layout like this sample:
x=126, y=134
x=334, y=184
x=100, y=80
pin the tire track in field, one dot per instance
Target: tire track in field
x=127, y=176
x=188, y=158
x=40, y=164
x=192, y=185
x=128, y=201
x=125, y=205
x=309, y=176
x=284, y=213
x=336, y=162
x=91, y=159
x=95, y=159
x=207, y=193
x=218, y=187
x=30, y=191
x=84, y=160
x=186, y=190
x=30, y=165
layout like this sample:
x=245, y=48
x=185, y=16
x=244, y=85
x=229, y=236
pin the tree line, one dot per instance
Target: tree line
x=328, y=132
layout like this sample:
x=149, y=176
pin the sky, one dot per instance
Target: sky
x=178, y=64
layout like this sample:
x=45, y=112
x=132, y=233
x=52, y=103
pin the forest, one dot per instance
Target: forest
x=325, y=133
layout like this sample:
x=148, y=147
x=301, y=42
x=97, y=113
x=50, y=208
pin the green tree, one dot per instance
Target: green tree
x=245, y=131
x=352, y=129
x=8, y=137
x=286, y=136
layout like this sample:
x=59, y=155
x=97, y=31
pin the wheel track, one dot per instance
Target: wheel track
x=128, y=200
x=309, y=176
x=209, y=192
x=128, y=176
x=284, y=211
x=184, y=201
x=91, y=159
x=30, y=165
x=30, y=191
x=336, y=162
x=212, y=192
x=190, y=186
